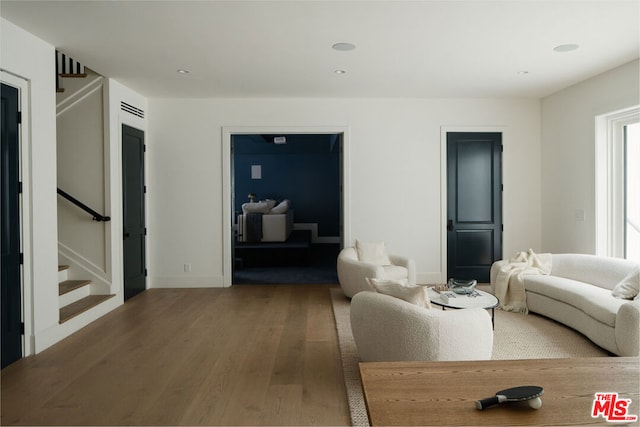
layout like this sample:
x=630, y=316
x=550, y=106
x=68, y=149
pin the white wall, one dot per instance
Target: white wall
x=568, y=155
x=395, y=174
x=32, y=59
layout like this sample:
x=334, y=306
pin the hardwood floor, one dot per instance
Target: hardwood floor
x=245, y=355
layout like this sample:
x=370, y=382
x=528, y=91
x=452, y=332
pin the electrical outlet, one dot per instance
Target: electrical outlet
x=579, y=214
x=187, y=268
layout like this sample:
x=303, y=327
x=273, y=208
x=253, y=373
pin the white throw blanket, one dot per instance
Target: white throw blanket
x=509, y=285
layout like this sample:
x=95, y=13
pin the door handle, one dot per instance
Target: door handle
x=126, y=235
x=450, y=225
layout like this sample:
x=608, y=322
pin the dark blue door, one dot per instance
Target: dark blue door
x=11, y=310
x=474, y=204
x=133, y=189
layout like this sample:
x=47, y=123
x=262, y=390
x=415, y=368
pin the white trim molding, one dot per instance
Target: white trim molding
x=609, y=185
x=227, y=221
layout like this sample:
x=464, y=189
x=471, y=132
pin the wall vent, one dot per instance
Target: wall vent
x=131, y=109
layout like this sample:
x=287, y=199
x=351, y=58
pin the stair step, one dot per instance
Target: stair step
x=63, y=267
x=70, y=285
x=72, y=310
x=82, y=75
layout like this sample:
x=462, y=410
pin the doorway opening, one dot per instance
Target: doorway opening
x=286, y=194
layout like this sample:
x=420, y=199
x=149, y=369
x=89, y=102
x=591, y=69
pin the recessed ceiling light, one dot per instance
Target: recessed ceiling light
x=566, y=47
x=182, y=71
x=523, y=72
x=344, y=46
x=340, y=72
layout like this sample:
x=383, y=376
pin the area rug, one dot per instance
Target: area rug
x=516, y=336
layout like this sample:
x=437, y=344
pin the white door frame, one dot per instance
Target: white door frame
x=227, y=133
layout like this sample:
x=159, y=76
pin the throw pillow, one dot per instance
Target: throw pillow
x=257, y=207
x=629, y=287
x=400, y=289
x=373, y=252
x=270, y=203
x=281, y=208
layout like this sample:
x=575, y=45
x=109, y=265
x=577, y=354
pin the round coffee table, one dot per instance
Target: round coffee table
x=477, y=299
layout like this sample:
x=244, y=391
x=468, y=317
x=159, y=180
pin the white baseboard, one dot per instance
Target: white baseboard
x=429, y=278
x=186, y=282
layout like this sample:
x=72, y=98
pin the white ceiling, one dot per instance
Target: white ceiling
x=472, y=48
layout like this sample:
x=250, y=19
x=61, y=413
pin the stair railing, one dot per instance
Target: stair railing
x=96, y=216
x=67, y=67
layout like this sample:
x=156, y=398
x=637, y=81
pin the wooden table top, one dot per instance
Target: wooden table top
x=443, y=393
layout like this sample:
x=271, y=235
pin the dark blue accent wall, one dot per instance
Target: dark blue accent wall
x=305, y=170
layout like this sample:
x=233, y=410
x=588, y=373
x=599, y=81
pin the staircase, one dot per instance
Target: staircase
x=75, y=295
x=75, y=104
x=67, y=67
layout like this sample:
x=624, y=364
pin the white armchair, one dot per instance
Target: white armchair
x=352, y=272
x=387, y=329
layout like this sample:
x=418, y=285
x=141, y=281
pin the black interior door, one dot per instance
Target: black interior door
x=133, y=189
x=474, y=204
x=11, y=300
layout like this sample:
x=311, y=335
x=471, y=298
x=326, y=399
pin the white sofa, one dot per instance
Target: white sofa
x=275, y=227
x=578, y=293
x=386, y=328
x=276, y=224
